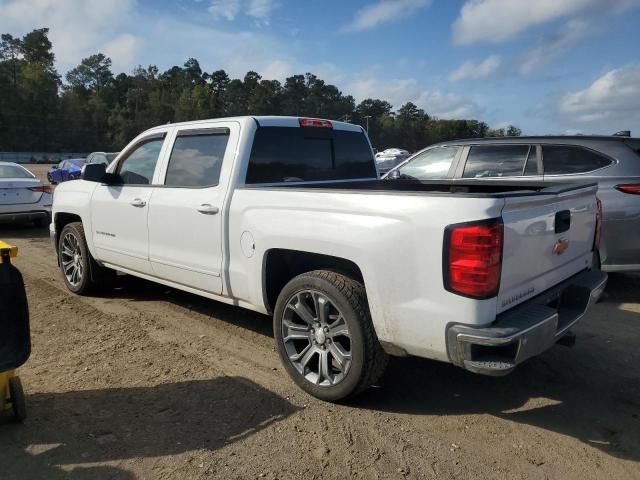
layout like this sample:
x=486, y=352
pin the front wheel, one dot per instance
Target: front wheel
x=81, y=273
x=325, y=336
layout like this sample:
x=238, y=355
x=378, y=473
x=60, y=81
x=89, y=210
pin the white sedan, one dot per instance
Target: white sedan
x=23, y=196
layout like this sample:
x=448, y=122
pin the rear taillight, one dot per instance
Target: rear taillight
x=632, y=188
x=596, y=240
x=473, y=258
x=41, y=188
x=315, y=123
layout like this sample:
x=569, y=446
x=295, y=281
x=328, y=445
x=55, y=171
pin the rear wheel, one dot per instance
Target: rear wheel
x=325, y=337
x=81, y=273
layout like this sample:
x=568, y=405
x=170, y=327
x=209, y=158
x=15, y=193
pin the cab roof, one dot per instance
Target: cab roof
x=267, y=121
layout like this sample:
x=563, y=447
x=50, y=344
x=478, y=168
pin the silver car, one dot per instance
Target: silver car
x=23, y=196
x=611, y=161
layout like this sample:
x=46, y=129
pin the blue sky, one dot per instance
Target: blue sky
x=547, y=66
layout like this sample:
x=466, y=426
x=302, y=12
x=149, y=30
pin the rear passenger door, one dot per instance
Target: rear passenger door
x=186, y=211
x=501, y=162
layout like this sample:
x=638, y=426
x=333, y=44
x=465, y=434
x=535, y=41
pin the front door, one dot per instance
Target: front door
x=185, y=214
x=119, y=211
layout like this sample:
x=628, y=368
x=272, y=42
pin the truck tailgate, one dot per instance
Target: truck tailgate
x=547, y=238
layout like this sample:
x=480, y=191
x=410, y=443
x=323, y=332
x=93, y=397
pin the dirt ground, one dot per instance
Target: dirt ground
x=145, y=382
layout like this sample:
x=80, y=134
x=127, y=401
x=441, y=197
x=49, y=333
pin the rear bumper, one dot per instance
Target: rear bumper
x=526, y=330
x=23, y=216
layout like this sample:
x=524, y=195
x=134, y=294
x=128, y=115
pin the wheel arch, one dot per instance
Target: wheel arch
x=280, y=265
x=62, y=219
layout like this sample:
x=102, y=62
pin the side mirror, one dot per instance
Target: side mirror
x=93, y=172
x=393, y=175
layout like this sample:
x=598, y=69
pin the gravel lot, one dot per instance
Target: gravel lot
x=145, y=382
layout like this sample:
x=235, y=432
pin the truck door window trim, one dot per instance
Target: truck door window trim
x=196, y=132
x=125, y=156
x=192, y=132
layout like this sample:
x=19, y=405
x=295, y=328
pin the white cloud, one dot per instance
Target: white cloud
x=229, y=9
x=475, y=70
x=615, y=96
x=277, y=70
x=123, y=51
x=382, y=12
x=554, y=46
x=260, y=9
x=77, y=27
x=495, y=21
x=399, y=91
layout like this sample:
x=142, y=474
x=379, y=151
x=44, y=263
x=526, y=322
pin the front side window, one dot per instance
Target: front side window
x=138, y=167
x=196, y=160
x=430, y=165
x=497, y=161
x=567, y=160
x=291, y=154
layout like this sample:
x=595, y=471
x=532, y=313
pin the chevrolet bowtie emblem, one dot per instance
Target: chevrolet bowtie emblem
x=560, y=246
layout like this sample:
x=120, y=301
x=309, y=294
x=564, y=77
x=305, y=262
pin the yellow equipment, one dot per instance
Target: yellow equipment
x=15, y=339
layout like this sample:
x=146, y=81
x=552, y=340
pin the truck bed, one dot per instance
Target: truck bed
x=467, y=188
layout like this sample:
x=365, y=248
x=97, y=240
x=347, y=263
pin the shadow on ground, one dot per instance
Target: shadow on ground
x=84, y=427
x=590, y=392
x=136, y=289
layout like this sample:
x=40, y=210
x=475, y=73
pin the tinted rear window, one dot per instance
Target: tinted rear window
x=13, y=171
x=565, y=160
x=497, y=161
x=290, y=154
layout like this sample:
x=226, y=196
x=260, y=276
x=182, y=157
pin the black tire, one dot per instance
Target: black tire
x=368, y=359
x=94, y=276
x=18, y=403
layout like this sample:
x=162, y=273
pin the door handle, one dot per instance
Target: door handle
x=208, y=209
x=138, y=202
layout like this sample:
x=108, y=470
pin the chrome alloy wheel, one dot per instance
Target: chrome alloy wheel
x=71, y=259
x=316, y=338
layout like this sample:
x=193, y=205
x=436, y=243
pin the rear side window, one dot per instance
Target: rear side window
x=565, y=160
x=196, y=160
x=291, y=154
x=432, y=164
x=498, y=161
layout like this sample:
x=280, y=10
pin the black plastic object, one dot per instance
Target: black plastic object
x=563, y=221
x=15, y=338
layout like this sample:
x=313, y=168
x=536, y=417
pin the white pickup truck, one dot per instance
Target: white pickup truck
x=286, y=216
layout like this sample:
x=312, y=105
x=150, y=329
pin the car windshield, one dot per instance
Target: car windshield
x=78, y=162
x=14, y=171
x=111, y=156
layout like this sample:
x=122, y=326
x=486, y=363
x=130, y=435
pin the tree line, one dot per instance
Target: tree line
x=93, y=109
